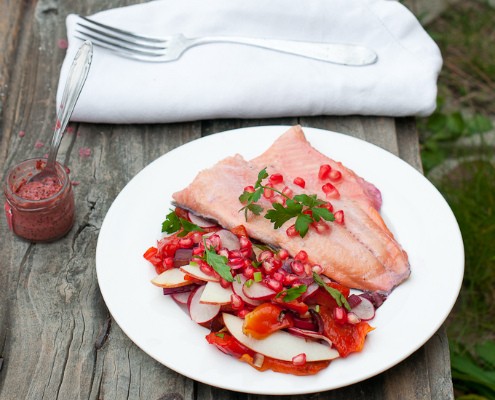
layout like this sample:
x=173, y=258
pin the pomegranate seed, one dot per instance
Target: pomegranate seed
x=300, y=182
x=234, y=254
x=301, y=256
x=274, y=285
x=247, y=252
x=197, y=251
x=288, y=192
x=299, y=360
x=290, y=279
x=236, y=302
x=223, y=253
x=268, y=193
x=224, y=283
x=327, y=188
x=264, y=255
x=283, y=254
x=291, y=231
x=249, y=272
x=245, y=242
x=330, y=190
x=268, y=266
x=242, y=314
x=317, y=269
x=278, y=199
x=236, y=263
x=320, y=226
x=196, y=237
x=324, y=171
x=278, y=276
x=335, y=175
x=205, y=268
x=297, y=267
x=276, y=178
x=340, y=315
x=339, y=217
x=168, y=262
x=186, y=243
x=249, y=189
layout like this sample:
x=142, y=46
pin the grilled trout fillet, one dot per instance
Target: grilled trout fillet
x=361, y=253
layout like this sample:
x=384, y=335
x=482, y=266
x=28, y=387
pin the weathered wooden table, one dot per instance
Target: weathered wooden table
x=57, y=338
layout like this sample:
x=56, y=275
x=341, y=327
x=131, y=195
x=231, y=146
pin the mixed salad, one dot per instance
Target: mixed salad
x=262, y=306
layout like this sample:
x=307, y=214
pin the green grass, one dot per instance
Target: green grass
x=466, y=37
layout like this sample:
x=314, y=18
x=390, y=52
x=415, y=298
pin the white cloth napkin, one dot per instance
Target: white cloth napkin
x=236, y=81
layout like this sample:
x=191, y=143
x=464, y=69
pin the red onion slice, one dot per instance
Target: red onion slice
x=201, y=222
x=309, y=334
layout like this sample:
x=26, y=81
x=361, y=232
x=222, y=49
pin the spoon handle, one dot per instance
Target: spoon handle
x=75, y=81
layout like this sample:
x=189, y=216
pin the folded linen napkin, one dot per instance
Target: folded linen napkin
x=235, y=81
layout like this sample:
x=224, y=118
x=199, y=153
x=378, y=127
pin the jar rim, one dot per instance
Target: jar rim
x=41, y=203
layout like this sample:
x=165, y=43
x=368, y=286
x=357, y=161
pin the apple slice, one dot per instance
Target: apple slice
x=237, y=287
x=258, y=291
x=214, y=293
x=279, y=345
x=171, y=278
x=195, y=272
x=200, y=312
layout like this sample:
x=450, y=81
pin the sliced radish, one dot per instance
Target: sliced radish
x=181, y=298
x=201, y=222
x=214, y=293
x=171, y=278
x=312, y=288
x=194, y=271
x=258, y=291
x=280, y=345
x=364, y=310
x=237, y=286
x=229, y=240
x=199, y=312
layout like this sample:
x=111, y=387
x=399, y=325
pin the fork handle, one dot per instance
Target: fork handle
x=347, y=54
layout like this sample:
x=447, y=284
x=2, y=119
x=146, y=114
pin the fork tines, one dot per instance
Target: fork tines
x=120, y=41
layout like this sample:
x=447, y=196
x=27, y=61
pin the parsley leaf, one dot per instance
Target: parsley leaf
x=320, y=212
x=280, y=214
x=303, y=221
x=292, y=293
x=174, y=223
x=339, y=297
x=261, y=175
x=171, y=223
x=219, y=264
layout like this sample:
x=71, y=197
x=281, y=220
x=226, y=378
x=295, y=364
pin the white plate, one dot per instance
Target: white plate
x=414, y=210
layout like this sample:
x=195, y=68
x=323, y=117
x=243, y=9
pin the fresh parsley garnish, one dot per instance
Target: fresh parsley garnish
x=250, y=198
x=292, y=293
x=305, y=208
x=339, y=297
x=173, y=223
x=219, y=264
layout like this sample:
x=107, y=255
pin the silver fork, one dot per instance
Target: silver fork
x=154, y=49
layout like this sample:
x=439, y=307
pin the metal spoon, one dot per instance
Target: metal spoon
x=73, y=86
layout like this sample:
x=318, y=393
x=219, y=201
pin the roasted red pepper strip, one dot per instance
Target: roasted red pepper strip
x=347, y=338
x=228, y=344
x=294, y=305
x=287, y=367
x=266, y=319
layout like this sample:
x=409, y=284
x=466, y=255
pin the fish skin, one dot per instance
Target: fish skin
x=362, y=253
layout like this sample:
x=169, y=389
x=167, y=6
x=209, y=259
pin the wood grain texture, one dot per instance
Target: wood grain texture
x=57, y=338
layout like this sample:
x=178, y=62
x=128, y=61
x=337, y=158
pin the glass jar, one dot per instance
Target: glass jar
x=38, y=211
